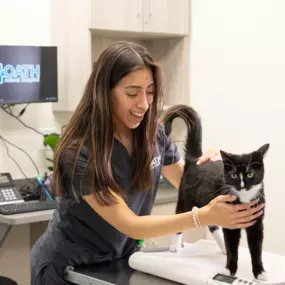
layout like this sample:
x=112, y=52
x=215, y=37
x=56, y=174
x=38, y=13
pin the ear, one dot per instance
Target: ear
x=263, y=149
x=225, y=155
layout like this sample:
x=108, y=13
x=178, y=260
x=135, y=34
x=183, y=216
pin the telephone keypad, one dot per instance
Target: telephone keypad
x=8, y=194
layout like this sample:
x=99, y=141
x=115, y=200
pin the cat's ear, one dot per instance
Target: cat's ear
x=225, y=155
x=263, y=149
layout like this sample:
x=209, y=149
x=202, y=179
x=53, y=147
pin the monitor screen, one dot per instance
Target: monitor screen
x=28, y=74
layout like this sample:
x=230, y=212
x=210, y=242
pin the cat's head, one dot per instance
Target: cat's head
x=244, y=171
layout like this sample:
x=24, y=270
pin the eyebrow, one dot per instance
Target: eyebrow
x=137, y=86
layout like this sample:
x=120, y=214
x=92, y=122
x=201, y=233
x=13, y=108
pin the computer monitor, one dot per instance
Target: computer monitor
x=28, y=74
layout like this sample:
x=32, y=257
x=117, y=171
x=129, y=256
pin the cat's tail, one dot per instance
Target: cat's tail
x=192, y=120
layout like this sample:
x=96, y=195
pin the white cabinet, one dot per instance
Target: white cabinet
x=119, y=15
x=190, y=236
x=83, y=29
x=169, y=17
x=166, y=16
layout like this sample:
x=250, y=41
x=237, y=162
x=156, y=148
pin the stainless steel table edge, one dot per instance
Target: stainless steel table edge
x=78, y=278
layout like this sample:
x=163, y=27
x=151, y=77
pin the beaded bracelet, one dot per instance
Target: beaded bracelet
x=196, y=217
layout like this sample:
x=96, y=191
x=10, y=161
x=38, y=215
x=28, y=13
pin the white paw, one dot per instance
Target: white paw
x=223, y=250
x=176, y=243
x=173, y=248
x=218, y=236
x=262, y=276
x=225, y=271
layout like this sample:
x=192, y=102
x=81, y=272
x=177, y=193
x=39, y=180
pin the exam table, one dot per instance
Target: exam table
x=117, y=272
x=198, y=263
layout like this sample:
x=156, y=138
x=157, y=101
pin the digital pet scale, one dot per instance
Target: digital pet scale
x=203, y=263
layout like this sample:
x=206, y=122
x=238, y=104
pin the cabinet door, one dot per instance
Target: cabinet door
x=117, y=15
x=166, y=16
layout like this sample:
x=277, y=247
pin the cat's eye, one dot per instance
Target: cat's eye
x=250, y=174
x=234, y=175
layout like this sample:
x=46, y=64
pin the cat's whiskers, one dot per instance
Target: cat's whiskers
x=230, y=161
x=235, y=193
x=249, y=163
x=254, y=162
x=223, y=192
x=256, y=198
x=229, y=190
x=231, y=165
x=260, y=195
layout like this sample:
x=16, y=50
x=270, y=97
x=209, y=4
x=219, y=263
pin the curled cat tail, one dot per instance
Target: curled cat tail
x=192, y=120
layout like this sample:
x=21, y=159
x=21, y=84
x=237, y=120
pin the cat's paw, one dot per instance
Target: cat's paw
x=230, y=270
x=173, y=248
x=223, y=250
x=262, y=276
x=225, y=271
x=218, y=236
x=176, y=243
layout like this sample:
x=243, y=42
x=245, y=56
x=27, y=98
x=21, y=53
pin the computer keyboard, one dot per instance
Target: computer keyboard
x=26, y=207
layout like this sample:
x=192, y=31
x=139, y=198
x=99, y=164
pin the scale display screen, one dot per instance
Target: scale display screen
x=224, y=278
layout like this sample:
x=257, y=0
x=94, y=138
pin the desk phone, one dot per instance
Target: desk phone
x=9, y=194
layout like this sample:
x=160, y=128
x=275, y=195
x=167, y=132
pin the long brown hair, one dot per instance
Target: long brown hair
x=92, y=123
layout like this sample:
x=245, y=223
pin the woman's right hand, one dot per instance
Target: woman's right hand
x=230, y=216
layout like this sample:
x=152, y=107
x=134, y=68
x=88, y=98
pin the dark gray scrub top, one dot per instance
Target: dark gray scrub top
x=77, y=234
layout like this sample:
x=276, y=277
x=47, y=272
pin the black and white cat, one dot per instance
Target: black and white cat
x=241, y=175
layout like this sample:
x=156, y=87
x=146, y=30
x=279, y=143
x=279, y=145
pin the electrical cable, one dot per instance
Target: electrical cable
x=10, y=112
x=5, y=141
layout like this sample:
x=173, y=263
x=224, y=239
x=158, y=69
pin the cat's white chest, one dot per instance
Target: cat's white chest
x=246, y=196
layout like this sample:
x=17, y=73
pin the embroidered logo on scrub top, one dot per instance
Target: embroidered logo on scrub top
x=155, y=161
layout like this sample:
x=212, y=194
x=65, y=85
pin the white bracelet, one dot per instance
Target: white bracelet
x=196, y=217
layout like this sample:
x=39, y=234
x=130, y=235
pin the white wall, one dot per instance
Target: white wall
x=237, y=85
x=26, y=23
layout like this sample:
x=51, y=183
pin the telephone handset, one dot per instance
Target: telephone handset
x=9, y=194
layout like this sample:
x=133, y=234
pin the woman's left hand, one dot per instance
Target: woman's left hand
x=210, y=155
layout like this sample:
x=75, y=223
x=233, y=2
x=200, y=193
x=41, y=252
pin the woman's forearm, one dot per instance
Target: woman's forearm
x=154, y=226
x=121, y=217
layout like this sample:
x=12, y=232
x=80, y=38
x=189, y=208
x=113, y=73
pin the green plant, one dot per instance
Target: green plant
x=51, y=140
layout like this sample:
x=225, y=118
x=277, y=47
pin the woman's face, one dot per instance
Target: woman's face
x=131, y=98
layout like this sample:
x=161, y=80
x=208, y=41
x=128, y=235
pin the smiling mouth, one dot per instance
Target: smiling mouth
x=137, y=114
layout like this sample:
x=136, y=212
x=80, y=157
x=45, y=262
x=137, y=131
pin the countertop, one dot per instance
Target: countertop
x=165, y=194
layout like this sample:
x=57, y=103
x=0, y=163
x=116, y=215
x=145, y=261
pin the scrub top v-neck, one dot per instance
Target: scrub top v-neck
x=123, y=164
x=77, y=234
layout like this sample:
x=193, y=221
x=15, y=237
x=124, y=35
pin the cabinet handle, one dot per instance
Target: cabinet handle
x=139, y=7
x=149, y=12
x=150, y=9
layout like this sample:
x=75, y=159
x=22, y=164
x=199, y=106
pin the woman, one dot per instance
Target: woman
x=107, y=168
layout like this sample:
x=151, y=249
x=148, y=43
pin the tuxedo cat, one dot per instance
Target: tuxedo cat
x=240, y=175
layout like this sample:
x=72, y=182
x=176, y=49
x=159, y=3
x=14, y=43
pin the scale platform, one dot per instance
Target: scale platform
x=197, y=263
